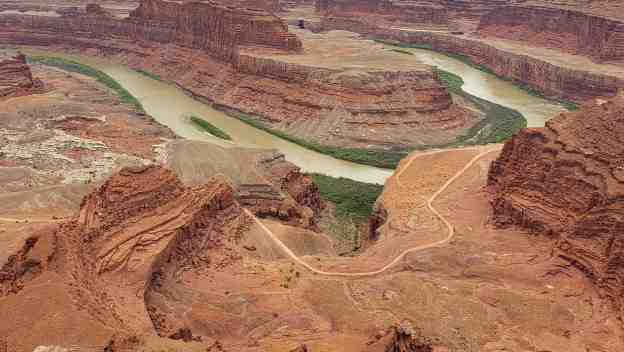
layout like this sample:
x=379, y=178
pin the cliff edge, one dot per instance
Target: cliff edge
x=567, y=180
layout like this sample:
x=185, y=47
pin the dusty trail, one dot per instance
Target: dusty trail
x=449, y=226
x=31, y=220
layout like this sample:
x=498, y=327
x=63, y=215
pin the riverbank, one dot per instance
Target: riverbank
x=206, y=126
x=568, y=104
x=498, y=124
x=73, y=66
x=550, y=73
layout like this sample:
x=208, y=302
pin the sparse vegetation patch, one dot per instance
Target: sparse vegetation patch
x=210, y=128
x=108, y=81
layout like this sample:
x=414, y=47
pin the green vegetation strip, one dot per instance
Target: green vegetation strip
x=569, y=105
x=500, y=123
x=354, y=200
x=210, y=128
x=373, y=157
x=73, y=66
x=150, y=75
x=403, y=51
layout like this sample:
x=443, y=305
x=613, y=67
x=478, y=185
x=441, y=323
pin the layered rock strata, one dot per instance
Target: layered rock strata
x=600, y=38
x=214, y=56
x=501, y=33
x=423, y=12
x=455, y=14
x=567, y=180
x=16, y=78
x=141, y=225
x=552, y=79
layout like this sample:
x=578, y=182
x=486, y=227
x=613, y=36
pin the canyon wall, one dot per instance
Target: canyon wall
x=198, y=24
x=600, y=38
x=553, y=80
x=567, y=180
x=404, y=11
x=215, y=29
x=15, y=77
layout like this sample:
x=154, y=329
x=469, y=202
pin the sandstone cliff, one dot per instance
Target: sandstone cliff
x=140, y=225
x=567, y=180
x=212, y=26
x=600, y=38
x=423, y=12
x=15, y=77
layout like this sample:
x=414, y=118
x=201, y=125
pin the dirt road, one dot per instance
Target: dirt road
x=449, y=226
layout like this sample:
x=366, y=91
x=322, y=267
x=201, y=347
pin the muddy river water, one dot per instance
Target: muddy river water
x=171, y=106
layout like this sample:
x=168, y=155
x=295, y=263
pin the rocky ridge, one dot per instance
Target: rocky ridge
x=16, y=78
x=567, y=180
x=141, y=225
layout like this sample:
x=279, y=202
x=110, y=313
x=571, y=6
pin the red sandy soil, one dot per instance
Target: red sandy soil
x=164, y=257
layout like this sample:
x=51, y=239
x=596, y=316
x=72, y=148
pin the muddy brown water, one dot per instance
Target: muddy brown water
x=170, y=106
x=489, y=87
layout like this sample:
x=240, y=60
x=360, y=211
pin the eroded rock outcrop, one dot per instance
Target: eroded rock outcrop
x=264, y=181
x=16, y=78
x=400, y=338
x=141, y=225
x=567, y=180
x=212, y=26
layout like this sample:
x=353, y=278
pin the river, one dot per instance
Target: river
x=489, y=87
x=170, y=106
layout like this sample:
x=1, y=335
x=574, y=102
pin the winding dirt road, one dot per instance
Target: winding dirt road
x=30, y=220
x=449, y=226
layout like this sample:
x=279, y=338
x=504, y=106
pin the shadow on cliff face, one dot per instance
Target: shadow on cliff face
x=562, y=180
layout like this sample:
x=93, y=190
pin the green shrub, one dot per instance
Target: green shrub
x=402, y=51
x=354, y=200
x=150, y=75
x=210, y=128
x=373, y=157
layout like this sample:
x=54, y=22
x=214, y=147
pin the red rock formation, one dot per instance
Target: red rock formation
x=265, y=182
x=567, y=180
x=557, y=81
x=141, y=225
x=600, y=38
x=15, y=77
x=423, y=12
x=212, y=26
x=400, y=338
